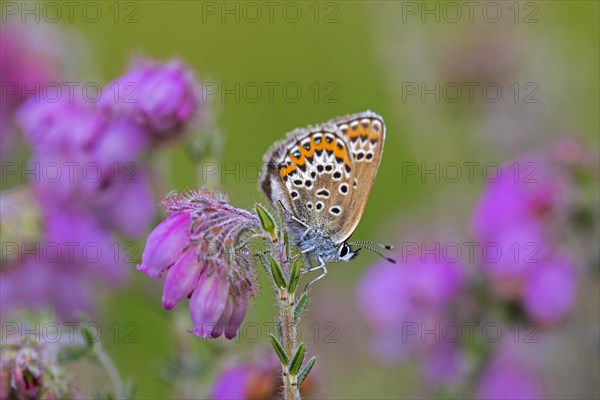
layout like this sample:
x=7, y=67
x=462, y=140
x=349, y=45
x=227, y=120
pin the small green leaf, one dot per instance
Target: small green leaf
x=279, y=350
x=286, y=240
x=267, y=222
x=295, y=275
x=89, y=338
x=277, y=275
x=306, y=370
x=297, y=360
x=300, y=306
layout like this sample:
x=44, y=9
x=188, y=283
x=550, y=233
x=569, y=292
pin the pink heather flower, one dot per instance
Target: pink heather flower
x=164, y=98
x=396, y=298
x=550, y=293
x=510, y=374
x=444, y=364
x=508, y=382
x=238, y=313
x=526, y=190
x=181, y=279
x=516, y=214
x=61, y=126
x=128, y=205
x=64, y=269
x=121, y=141
x=516, y=252
x=28, y=63
x=166, y=243
x=201, y=246
x=29, y=368
x=67, y=289
x=85, y=161
x=27, y=373
x=389, y=293
x=257, y=379
x=83, y=241
x=235, y=382
x=209, y=304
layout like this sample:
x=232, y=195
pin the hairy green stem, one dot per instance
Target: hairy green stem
x=285, y=274
x=286, y=302
x=290, y=340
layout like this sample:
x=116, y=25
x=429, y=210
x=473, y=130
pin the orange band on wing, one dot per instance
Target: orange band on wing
x=305, y=154
x=311, y=150
x=374, y=136
x=285, y=171
x=318, y=147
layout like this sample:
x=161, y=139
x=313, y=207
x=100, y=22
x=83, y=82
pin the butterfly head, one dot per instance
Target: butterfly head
x=345, y=253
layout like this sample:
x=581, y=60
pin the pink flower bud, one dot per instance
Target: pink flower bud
x=165, y=244
x=208, y=303
x=181, y=279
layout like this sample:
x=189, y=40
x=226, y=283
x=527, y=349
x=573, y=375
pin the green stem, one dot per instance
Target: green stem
x=286, y=303
x=285, y=275
x=110, y=369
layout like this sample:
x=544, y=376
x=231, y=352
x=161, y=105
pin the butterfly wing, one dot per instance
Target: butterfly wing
x=301, y=172
x=364, y=135
x=323, y=174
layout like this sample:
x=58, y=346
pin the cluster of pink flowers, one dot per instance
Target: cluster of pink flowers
x=517, y=213
x=90, y=174
x=400, y=300
x=201, y=247
x=520, y=221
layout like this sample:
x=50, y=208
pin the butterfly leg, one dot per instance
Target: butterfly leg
x=304, y=234
x=322, y=267
x=308, y=250
x=309, y=262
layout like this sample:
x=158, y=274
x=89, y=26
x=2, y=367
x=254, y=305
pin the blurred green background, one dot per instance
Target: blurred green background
x=355, y=55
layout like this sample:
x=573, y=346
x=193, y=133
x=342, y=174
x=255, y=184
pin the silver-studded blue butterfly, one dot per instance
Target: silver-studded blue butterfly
x=322, y=175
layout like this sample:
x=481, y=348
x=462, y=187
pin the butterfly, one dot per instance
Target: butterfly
x=322, y=176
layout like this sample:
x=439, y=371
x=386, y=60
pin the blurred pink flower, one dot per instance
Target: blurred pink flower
x=393, y=293
x=515, y=214
x=234, y=383
x=527, y=190
x=26, y=67
x=510, y=374
x=64, y=268
x=89, y=176
x=550, y=293
x=402, y=301
x=163, y=98
x=27, y=373
x=257, y=379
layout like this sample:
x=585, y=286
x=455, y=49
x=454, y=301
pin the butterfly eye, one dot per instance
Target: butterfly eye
x=344, y=250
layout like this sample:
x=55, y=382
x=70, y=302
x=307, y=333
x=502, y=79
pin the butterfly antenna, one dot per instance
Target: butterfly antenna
x=363, y=246
x=383, y=246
